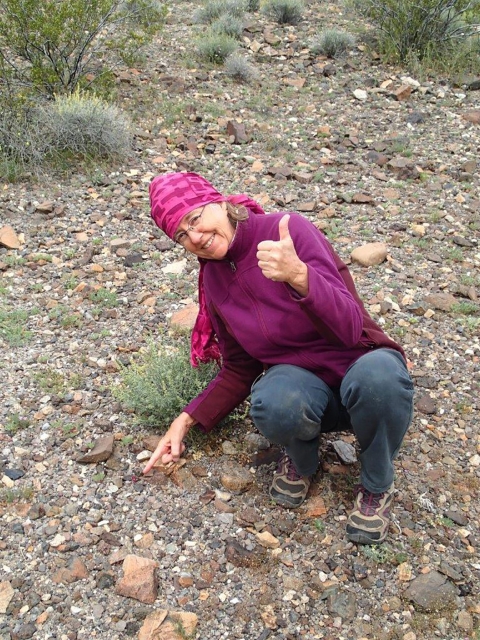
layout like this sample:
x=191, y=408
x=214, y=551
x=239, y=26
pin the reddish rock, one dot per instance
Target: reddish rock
x=74, y=572
x=102, y=450
x=370, y=254
x=168, y=625
x=185, y=318
x=8, y=237
x=472, y=116
x=44, y=207
x=403, y=92
x=237, y=131
x=6, y=595
x=139, y=580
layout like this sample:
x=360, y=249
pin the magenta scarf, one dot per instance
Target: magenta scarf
x=172, y=197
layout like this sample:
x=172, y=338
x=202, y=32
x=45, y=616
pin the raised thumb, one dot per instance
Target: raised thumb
x=283, y=227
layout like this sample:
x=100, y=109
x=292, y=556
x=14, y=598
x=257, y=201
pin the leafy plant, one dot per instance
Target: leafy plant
x=12, y=327
x=54, y=45
x=216, y=47
x=229, y=25
x=333, y=43
x=104, y=297
x=422, y=29
x=161, y=382
x=283, y=11
x=15, y=423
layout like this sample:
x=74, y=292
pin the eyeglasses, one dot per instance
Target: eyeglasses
x=183, y=236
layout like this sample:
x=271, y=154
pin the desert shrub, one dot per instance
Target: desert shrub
x=332, y=43
x=240, y=69
x=215, y=9
x=21, y=143
x=229, y=25
x=159, y=384
x=53, y=45
x=422, y=29
x=216, y=47
x=283, y=11
x=252, y=5
x=84, y=126
x=235, y=8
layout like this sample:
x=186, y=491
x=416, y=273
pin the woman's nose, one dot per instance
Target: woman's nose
x=195, y=236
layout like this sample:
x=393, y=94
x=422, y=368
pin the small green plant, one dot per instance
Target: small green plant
x=161, y=382
x=283, y=11
x=50, y=381
x=382, y=554
x=319, y=525
x=17, y=495
x=13, y=261
x=71, y=320
x=455, y=254
x=238, y=68
x=465, y=308
x=104, y=298
x=12, y=327
x=252, y=5
x=229, y=25
x=446, y=522
x=333, y=43
x=127, y=440
x=15, y=423
x=98, y=477
x=216, y=47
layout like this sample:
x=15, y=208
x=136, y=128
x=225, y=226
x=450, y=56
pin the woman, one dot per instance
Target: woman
x=279, y=309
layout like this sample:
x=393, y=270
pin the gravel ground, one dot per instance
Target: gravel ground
x=93, y=279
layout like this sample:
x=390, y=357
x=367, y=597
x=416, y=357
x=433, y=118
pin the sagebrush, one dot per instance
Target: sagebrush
x=238, y=68
x=333, y=43
x=284, y=11
x=216, y=47
x=161, y=381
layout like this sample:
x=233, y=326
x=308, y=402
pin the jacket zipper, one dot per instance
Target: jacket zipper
x=232, y=266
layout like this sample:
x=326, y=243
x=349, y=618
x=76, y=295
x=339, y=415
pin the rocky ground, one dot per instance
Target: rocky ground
x=91, y=549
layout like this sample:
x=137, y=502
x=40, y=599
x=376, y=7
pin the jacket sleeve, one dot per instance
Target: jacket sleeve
x=332, y=308
x=232, y=384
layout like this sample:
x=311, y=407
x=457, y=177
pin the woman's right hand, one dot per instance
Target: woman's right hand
x=171, y=446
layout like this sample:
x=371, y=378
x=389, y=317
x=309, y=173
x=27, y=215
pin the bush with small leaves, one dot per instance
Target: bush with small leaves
x=284, y=11
x=52, y=46
x=425, y=29
x=252, y=5
x=229, y=25
x=84, y=126
x=210, y=12
x=159, y=384
x=216, y=47
x=333, y=43
x=235, y=8
x=240, y=69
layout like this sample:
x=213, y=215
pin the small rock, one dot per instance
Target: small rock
x=237, y=131
x=44, y=207
x=267, y=540
x=101, y=452
x=465, y=621
x=241, y=557
x=132, y=259
x=403, y=92
x=168, y=625
x=139, y=580
x=345, y=451
x=426, y=404
x=75, y=571
x=237, y=479
x=14, y=474
x=450, y=572
x=432, y=592
x=441, y=301
x=175, y=268
x=370, y=254
x=185, y=318
x=229, y=448
x=255, y=442
x=8, y=237
x=342, y=604
x=6, y=595
x=458, y=517
x=472, y=116
x=360, y=94
x=24, y=632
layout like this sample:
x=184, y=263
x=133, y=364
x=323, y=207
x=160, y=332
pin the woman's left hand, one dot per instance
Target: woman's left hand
x=279, y=261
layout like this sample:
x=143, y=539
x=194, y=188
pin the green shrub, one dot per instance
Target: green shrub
x=332, y=43
x=229, y=25
x=161, y=382
x=235, y=8
x=284, y=11
x=53, y=45
x=216, y=47
x=240, y=69
x=84, y=126
x=12, y=327
x=422, y=29
x=209, y=12
x=252, y=5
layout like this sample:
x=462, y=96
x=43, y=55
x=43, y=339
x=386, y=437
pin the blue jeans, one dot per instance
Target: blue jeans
x=292, y=407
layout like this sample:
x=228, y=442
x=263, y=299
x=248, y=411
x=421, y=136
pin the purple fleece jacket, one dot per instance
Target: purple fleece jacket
x=261, y=323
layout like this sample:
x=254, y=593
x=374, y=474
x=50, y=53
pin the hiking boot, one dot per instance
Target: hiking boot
x=369, y=520
x=288, y=487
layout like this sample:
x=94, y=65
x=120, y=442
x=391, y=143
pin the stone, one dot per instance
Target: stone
x=362, y=198
x=426, y=404
x=139, y=580
x=236, y=479
x=403, y=92
x=269, y=617
x=8, y=237
x=432, y=592
x=168, y=625
x=75, y=571
x=255, y=442
x=101, y=452
x=450, y=572
x=457, y=516
x=6, y=595
x=267, y=540
x=132, y=259
x=44, y=207
x=24, y=632
x=185, y=318
x=151, y=442
x=345, y=451
x=342, y=604
x=441, y=301
x=360, y=94
x=236, y=130
x=472, y=116
x=14, y=474
x=315, y=507
x=119, y=243
x=175, y=268
x=370, y=254
x=241, y=557
x=465, y=621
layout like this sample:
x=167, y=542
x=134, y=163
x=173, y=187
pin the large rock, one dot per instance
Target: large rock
x=101, y=452
x=139, y=580
x=74, y=572
x=236, y=479
x=432, y=592
x=442, y=301
x=185, y=318
x=370, y=254
x=168, y=625
x=8, y=237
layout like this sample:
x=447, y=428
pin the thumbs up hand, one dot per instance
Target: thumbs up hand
x=279, y=261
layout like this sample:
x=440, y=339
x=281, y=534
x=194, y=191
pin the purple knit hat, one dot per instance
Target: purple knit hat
x=172, y=196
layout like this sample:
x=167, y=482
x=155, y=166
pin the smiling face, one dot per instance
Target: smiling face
x=209, y=231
